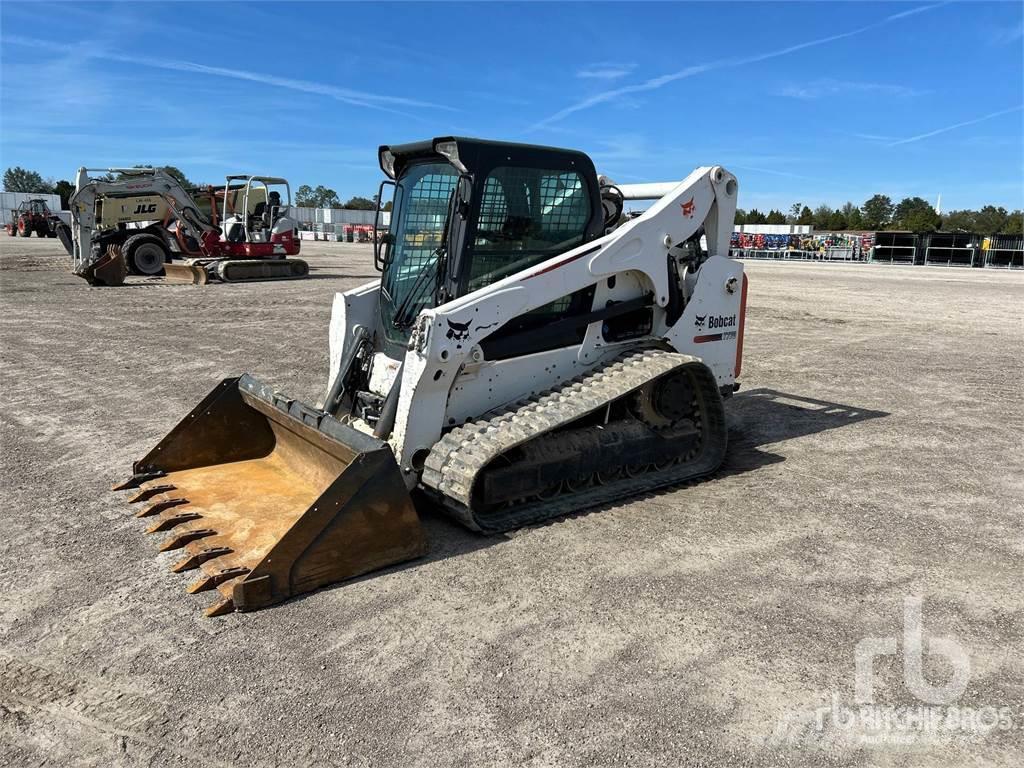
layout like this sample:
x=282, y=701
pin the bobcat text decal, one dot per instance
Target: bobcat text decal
x=714, y=321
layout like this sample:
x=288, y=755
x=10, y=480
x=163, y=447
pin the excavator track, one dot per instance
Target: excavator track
x=536, y=436
x=202, y=271
x=246, y=270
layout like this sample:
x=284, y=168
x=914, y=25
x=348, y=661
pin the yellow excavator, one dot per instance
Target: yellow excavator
x=528, y=351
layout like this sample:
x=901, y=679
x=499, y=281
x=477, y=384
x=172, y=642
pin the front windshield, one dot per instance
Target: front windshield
x=422, y=197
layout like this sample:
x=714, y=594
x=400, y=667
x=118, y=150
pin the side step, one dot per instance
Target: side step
x=269, y=498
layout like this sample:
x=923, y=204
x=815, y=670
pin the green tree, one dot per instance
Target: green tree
x=991, y=220
x=740, y=217
x=388, y=206
x=822, y=214
x=851, y=213
x=877, y=211
x=321, y=197
x=775, y=217
x=326, y=197
x=1015, y=224
x=916, y=215
x=836, y=222
x=65, y=189
x=959, y=221
x=806, y=216
x=18, y=179
x=304, y=197
x=360, y=204
x=794, y=213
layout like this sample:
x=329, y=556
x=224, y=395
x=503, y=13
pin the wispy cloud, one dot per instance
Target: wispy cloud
x=697, y=69
x=346, y=95
x=1007, y=35
x=953, y=127
x=605, y=70
x=818, y=89
x=873, y=137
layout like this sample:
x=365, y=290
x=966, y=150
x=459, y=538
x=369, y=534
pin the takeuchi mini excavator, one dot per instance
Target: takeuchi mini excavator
x=142, y=220
x=529, y=351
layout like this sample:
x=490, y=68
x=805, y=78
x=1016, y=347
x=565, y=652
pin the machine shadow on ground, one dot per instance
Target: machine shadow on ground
x=764, y=416
x=756, y=417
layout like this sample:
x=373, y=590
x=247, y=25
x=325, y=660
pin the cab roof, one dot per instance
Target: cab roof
x=473, y=154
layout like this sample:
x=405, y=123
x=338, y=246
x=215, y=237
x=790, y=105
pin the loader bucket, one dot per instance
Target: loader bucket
x=108, y=269
x=269, y=498
x=193, y=274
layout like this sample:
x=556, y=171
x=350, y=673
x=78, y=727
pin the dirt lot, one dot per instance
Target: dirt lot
x=875, y=456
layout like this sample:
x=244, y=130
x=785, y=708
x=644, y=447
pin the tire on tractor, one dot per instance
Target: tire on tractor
x=24, y=230
x=145, y=254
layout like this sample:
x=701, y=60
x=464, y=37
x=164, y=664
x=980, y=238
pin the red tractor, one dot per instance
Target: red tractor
x=32, y=216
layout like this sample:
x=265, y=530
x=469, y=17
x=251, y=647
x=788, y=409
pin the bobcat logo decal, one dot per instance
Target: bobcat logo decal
x=458, y=331
x=688, y=207
x=699, y=321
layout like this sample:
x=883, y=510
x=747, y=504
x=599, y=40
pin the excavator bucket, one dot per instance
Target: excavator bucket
x=179, y=272
x=268, y=498
x=108, y=269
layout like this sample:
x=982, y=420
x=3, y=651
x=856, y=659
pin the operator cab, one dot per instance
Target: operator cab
x=35, y=207
x=467, y=213
x=255, y=208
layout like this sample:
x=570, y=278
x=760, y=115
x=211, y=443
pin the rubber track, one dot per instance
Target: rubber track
x=455, y=461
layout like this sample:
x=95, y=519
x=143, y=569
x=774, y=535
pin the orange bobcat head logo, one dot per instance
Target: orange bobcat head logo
x=688, y=208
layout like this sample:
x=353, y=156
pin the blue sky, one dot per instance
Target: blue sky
x=811, y=102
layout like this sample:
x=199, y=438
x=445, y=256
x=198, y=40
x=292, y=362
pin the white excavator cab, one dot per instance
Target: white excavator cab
x=255, y=208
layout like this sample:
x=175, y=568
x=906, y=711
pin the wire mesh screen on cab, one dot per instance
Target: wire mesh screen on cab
x=525, y=216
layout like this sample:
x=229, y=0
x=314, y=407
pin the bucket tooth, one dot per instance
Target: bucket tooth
x=181, y=538
x=136, y=480
x=211, y=580
x=145, y=494
x=165, y=523
x=200, y=556
x=221, y=607
x=159, y=506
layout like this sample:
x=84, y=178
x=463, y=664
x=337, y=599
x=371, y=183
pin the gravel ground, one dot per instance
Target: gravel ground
x=875, y=456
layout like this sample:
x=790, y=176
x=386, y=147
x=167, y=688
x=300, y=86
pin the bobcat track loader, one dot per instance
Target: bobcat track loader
x=529, y=351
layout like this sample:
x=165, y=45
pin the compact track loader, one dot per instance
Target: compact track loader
x=529, y=351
